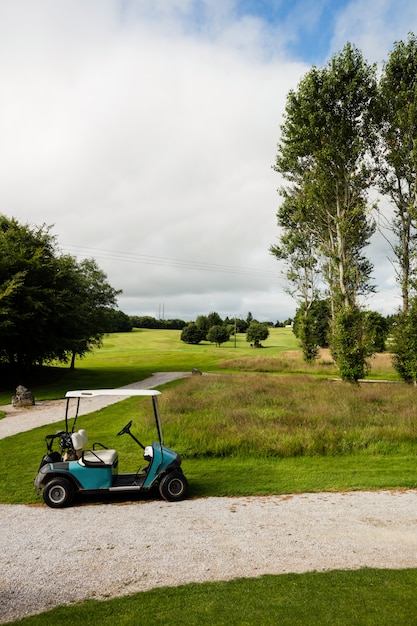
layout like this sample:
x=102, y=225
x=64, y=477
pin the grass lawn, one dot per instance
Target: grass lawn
x=127, y=357
x=252, y=434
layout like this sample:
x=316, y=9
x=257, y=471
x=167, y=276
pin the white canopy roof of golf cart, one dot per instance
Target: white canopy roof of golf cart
x=90, y=393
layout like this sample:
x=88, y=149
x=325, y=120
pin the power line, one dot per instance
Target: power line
x=166, y=262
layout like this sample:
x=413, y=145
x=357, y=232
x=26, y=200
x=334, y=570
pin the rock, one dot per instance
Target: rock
x=23, y=397
x=196, y=372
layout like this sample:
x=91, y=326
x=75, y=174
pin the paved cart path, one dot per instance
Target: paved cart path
x=49, y=411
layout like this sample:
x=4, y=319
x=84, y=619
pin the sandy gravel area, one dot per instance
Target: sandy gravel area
x=51, y=556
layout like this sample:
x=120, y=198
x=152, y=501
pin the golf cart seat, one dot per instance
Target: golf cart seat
x=99, y=458
x=79, y=440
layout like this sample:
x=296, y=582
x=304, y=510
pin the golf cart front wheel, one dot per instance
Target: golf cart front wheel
x=58, y=493
x=173, y=487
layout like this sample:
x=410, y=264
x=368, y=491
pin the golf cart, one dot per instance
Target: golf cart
x=75, y=468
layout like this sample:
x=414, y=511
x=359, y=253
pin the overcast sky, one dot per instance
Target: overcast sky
x=144, y=132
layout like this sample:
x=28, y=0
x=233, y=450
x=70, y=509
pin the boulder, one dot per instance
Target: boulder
x=23, y=397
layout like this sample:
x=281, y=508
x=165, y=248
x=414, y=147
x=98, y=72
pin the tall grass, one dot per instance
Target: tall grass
x=265, y=415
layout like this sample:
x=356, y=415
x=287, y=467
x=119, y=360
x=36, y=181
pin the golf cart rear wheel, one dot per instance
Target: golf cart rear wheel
x=173, y=487
x=58, y=493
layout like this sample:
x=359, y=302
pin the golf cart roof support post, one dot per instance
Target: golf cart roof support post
x=67, y=411
x=157, y=420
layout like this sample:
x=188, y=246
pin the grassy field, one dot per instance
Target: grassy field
x=261, y=422
x=127, y=357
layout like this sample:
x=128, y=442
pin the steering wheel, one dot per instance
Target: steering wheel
x=125, y=429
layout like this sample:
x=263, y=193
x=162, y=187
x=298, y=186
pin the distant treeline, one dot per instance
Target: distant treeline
x=147, y=321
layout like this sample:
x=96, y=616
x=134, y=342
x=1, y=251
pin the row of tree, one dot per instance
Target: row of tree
x=147, y=321
x=212, y=328
x=346, y=132
x=378, y=328
x=52, y=307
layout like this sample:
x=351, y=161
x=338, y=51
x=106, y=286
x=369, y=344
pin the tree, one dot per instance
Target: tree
x=249, y=318
x=327, y=138
x=397, y=156
x=117, y=322
x=299, y=250
x=312, y=329
x=256, y=333
x=145, y=321
x=203, y=324
x=350, y=347
x=51, y=306
x=218, y=334
x=192, y=334
x=214, y=319
x=85, y=315
x=29, y=279
x=377, y=328
x=404, y=358
x=235, y=322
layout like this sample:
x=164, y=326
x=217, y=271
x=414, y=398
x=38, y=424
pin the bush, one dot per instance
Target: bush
x=192, y=334
x=350, y=348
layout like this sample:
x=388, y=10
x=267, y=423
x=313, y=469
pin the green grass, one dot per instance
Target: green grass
x=252, y=434
x=127, y=357
x=366, y=597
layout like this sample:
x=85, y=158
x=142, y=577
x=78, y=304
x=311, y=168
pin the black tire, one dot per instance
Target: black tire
x=58, y=493
x=173, y=487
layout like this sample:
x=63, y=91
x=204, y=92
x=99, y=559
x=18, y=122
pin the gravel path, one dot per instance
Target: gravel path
x=50, y=557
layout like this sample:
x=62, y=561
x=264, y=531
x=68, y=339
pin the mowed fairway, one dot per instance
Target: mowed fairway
x=128, y=357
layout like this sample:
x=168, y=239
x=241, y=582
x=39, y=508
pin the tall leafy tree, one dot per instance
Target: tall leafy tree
x=51, y=306
x=28, y=279
x=327, y=137
x=397, y=157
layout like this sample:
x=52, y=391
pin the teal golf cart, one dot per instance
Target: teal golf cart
x=76, y=468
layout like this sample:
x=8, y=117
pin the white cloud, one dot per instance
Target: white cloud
x=130, y=140
x=374, y=26
x=150, y=128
